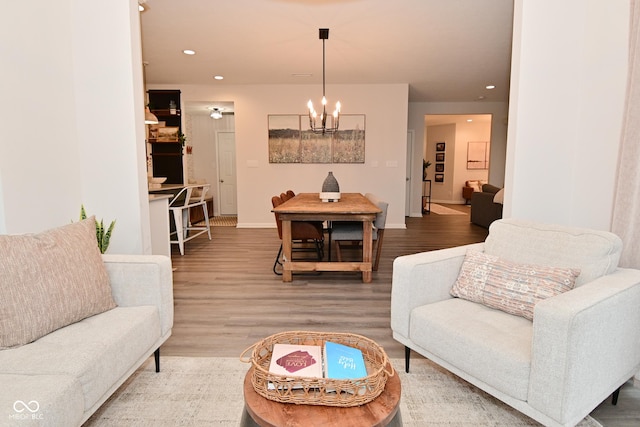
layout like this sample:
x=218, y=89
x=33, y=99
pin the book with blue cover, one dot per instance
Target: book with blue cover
x=343, y=362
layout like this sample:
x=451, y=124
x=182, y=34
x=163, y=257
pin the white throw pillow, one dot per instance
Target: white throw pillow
x=499, y=197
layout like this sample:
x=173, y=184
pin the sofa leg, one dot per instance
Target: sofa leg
x=407, y=353
x=156, y=356
x=614, y=397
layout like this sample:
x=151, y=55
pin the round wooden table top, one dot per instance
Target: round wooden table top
x=268, y=413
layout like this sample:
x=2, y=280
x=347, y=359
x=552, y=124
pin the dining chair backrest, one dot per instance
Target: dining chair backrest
x=285, y=197
x=275, y=202
x=381, y=217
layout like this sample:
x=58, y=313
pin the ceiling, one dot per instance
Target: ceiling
x=445, y=50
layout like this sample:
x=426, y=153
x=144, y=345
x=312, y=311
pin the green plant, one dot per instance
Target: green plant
x=102, y=236
x=182, y=138
x=425, y=164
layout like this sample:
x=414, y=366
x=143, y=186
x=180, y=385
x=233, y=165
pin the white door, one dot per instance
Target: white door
x=407, y=194
x=227, y=199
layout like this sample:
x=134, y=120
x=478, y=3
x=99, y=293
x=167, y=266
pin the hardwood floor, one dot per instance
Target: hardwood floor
x=228, y=298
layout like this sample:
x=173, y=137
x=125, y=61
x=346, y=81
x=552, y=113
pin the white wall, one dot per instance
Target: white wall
x=417, y=111
x=566, y=106
x=383, y=172
x=73, y=103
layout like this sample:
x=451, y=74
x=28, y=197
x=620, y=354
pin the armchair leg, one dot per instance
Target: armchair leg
x=156, y=356
x=614, y=396
x=407, y=353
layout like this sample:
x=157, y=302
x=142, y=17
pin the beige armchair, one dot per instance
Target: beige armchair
x=579, y=347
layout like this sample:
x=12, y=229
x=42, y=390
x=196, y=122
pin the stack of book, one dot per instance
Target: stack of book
x=333, y=360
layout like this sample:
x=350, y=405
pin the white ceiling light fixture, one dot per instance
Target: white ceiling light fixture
x=216, y=113
x=322, y=127
x=149, y=117
x=218, y=77
x=490, y=87
x=142, y=5
x=189, y=52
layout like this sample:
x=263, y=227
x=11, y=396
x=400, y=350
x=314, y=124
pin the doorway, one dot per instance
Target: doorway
x=450, y=146
x=227, y=201
x=210, y=149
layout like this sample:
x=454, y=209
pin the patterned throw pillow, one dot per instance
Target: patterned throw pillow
x=511, y=287
x=50, y=280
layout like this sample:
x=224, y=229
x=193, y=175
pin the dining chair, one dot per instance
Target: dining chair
x=302, y=232
x=351, y=231
x=190, y=197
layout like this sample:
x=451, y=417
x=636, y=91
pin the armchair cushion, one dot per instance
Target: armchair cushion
x=511, y=287
x=494, y=348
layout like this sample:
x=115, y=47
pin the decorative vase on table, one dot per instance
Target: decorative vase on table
x=330, y=189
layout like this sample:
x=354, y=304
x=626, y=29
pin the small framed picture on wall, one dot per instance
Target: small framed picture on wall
x=440, y=146
x=439, y=157
x=439, y=177
x=439, y=167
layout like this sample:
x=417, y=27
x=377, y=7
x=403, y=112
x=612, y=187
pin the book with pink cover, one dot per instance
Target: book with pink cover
x=296, y=360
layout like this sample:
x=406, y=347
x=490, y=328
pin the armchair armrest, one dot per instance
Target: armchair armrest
x=586, y=343
x=421, y=279
x=142, y=280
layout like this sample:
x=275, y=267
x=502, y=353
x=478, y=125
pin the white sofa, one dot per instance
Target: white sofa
x=580, y=347
x=62, y=378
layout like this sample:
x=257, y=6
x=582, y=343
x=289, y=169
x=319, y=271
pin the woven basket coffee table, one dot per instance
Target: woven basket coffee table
x=369, y=401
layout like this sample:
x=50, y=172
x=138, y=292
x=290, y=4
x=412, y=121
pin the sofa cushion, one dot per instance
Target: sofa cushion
x=39, y=400
x=99, y=352
x=511, y=287
x=487, y=344
x=50, y=280
x=595, y=253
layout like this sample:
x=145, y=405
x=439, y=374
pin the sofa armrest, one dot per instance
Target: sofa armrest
x=586, y=343
x=143, y=280
x=421, y=279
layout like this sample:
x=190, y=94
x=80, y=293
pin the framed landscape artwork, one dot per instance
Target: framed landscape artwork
x=439, y=157
x=284, y=138
x=478, y=155
x=440, y=146
x=291, y=140
x=167, y=134
x=439, y=177
x=439, y=167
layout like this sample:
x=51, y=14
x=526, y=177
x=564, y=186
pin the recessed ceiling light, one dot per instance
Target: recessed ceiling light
x=140, y=8
x=469, y=120
x=218, y=77
x=189, y=52
x=490, y=87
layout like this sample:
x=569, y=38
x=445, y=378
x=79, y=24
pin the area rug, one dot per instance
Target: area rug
x=443, y=210
x=223, y=221
x=205, y=391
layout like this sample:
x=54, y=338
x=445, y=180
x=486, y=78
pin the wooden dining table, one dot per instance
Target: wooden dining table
x=309, y=207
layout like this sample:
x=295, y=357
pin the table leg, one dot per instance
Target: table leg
x=367, y=249
x=287, y=247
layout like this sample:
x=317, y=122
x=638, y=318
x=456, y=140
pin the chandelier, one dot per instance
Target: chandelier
x=319, y=124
